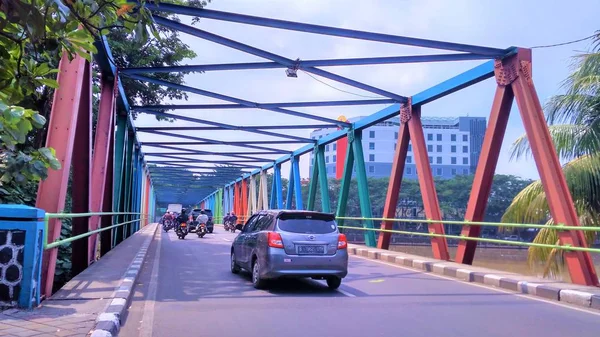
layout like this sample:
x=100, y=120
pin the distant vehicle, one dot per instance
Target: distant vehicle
x=175, y=208
x=512, y=238
x=210, y=226
x=297, y=244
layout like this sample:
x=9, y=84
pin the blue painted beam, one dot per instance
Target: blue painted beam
x=199, y=152
x=271, y=142
x=270, y=105
x=243, y=128
x=224, y=126
x=323, y=30
x=212, y=153
x=273, y=151
x=240, y=160
x=232, y=99
x=186, y=154
x=187, y=164
x=310, y=63
x=209, y=140
x=273, y=57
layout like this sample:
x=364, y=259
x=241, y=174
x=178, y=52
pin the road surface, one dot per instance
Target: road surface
x=186, y=289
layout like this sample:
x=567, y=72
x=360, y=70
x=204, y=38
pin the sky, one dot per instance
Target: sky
x=498, y=24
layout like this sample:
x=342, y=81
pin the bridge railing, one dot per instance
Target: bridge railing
x=557, y=227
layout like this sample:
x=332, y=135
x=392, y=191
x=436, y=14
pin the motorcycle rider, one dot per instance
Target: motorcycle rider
x=202, y=218
x=226, y=218
x=233, y=219
x=182, y=217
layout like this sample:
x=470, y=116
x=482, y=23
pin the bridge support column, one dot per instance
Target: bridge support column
x=263, y=197
x=355, y=153
x=244, y=200
x=514, y=73
x=319, y=176
x=119, y=175
x=277, y=189
x=100, y=161
x=252, y=196
x=61, y=136
x=21, y=248
x=294, y=186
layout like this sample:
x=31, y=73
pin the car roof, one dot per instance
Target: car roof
x=280, y=212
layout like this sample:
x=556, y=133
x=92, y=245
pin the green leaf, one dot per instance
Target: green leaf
x=48, y=82
x=38, y=120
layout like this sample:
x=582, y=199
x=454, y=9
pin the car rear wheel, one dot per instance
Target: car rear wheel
x=257, y=281
x=234, y=267
x=334, y=282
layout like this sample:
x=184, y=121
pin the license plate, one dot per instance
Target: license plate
x=311, y=250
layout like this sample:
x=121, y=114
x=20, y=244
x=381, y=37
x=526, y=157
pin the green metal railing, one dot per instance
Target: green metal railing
x=559, y=227
x=83, y=215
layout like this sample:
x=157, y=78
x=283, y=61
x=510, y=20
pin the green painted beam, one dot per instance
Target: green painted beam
x=118, y=170
x=312, y=187
x=322, y=168
x=363, y=188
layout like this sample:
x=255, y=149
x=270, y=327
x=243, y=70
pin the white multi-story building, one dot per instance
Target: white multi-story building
x=453, y=144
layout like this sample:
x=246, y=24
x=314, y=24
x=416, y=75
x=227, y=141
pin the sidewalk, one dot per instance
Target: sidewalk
x=74, y=309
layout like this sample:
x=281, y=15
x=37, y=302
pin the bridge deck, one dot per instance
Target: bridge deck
x=193, y=293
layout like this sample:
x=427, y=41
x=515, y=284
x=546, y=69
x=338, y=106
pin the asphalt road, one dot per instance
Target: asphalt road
x=186, y=289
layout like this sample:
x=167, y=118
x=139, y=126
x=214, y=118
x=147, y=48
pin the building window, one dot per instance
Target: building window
x=429, y=148
x=439, y=137
x=465, y=138
x=430, y=160
x=430, y=136
x=408, y=170
x=327, y=159
x=465, y=161
x=371, y=134
x=465, y=171
x=410, y=147
x=371, y=168
x=371, y=157
x=409, y=159
x=453, y=172
x=453, y=148
x=465, y=149
x=439, y=148
x=334, y=147
x=371, y=146
x=438, y=171
x=453, y=160
x=334, y=158
x=395, y=135
x=438, y=160
x=394, y=146
x=453, y=138
x=326, y=148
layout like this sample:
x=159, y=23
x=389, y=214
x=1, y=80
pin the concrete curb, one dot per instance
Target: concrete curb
x=108, y=322
x=587, y=297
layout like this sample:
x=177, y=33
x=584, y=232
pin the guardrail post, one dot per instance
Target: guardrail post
x=21, y=249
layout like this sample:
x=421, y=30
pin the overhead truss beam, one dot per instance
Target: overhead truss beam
x=323, y=30
x=272, y=105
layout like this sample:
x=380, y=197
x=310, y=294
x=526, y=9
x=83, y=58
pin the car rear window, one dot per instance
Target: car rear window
x=307, y=223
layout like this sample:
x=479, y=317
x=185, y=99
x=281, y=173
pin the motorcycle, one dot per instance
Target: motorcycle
x=228, y=226
x=182, y=230
x=201, y=231
x=167, y=225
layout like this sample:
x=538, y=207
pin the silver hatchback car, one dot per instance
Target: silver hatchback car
x=297, y=244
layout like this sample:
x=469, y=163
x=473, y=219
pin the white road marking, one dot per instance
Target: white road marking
x=226, y=239
x=590, y=311
x=148, y=317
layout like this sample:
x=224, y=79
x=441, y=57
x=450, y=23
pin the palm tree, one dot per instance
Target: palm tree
x=574, y=120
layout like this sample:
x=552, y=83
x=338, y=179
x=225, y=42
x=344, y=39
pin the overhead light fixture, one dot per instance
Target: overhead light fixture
x=293, y=71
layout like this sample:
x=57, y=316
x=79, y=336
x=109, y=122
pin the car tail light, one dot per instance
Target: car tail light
x=342, y=242
x=274, y=240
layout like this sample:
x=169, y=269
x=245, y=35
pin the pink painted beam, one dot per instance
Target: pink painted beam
x=61, y=134
x=104, y=129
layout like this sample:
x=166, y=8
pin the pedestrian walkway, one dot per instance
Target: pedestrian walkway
x=73, y=310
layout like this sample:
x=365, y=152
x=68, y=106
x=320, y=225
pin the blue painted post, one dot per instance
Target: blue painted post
x=297, y=183
x=21, y=248
x=273, y=196
x=279, y=188
x=290, y=189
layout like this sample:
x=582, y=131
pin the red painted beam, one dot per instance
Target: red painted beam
x=61, y=134
x=244, y=200
x=236, y=201
x=427, y=184
x=341, y=149
x=393, y=191
x=82, y=173
x=562, y=209
x=484, y=175
x=104, y=130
